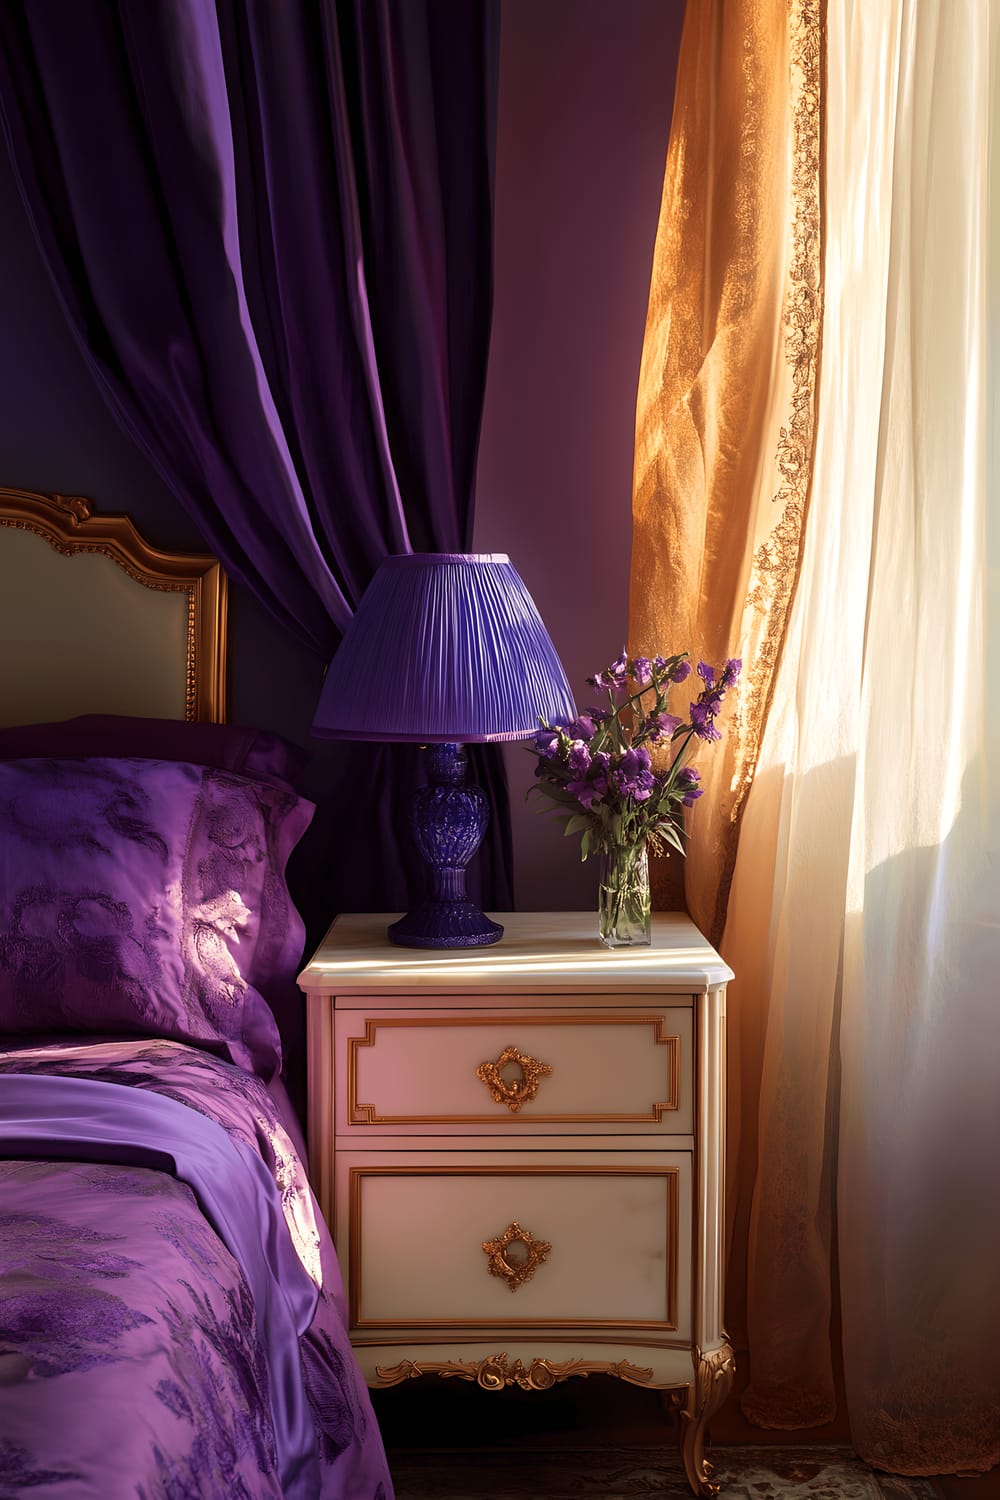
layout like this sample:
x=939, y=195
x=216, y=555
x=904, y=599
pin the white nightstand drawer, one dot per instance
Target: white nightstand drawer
x=551, y=1069
x=411, y=1230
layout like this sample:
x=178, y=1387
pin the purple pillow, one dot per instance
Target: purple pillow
x=248, y=752
x=147, y=897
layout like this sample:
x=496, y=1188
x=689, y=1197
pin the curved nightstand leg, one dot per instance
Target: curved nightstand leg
x=713, y=1380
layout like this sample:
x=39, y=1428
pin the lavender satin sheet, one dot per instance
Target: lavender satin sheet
x=138, y=1356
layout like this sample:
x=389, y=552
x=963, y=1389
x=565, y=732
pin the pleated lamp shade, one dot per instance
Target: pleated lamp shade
x=444, y=647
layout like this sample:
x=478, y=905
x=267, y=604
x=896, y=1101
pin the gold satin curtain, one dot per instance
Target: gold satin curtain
x=814, y=492
x=725, y=424
x=724, y=434
x=726, y=402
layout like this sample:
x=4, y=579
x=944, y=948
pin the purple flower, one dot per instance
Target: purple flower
x=591, y=784
x=621, y=777
x=596, y=715
x=701, y=721
x=547, y=744
x=687, y=782
x=635, y=760
x=632, y=775
x=661, y=726
x=586, y=792
x=582, y=728
x=612, y=677
x=578, y=759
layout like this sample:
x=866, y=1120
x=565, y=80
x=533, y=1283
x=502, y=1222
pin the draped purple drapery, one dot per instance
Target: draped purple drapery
x=270, y=229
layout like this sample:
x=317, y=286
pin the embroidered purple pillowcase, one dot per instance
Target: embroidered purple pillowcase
x=147, y=897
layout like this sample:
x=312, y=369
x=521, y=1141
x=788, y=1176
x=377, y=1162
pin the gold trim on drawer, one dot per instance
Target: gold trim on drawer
x=359, y=1322
x=496, y=1372
x=364, y=1114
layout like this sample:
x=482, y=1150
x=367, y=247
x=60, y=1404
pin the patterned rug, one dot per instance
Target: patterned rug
x=643, y=1474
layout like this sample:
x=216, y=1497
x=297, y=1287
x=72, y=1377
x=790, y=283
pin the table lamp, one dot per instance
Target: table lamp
x=444, y=649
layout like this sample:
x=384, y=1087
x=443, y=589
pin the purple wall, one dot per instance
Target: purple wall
x=586, y=93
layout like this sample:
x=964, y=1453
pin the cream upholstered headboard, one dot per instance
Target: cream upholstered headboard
x=95, y=620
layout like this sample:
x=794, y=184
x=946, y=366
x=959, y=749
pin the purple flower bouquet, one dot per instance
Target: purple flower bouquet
x=599, y=773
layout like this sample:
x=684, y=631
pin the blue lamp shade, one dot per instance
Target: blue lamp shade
x=444, y=647
x=443, y=650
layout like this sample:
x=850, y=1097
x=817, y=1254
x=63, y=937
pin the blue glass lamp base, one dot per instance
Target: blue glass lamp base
x=448, y=819
x=445, y=924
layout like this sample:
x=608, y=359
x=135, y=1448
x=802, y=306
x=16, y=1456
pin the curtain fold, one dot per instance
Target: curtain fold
x=863, y=914
x=270, y=229
x=116, y=118
x=725, y=408
x=725, y=431
x=920, y=1034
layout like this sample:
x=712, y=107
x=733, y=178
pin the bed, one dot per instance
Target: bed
x=171, y=1310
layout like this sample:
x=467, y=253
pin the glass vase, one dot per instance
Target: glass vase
x=623, y=897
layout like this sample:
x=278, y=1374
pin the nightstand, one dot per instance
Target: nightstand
x=519, y=1149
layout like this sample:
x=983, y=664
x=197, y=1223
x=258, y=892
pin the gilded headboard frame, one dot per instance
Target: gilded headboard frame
x=69, y=525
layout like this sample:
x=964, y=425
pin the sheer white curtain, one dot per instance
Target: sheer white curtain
x=865, y=907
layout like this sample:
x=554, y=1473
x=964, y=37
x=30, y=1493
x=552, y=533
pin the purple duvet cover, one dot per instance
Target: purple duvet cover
x=171, y=1310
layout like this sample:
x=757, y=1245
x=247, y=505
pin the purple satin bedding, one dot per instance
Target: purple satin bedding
x=144, y=1352
x=148, y=898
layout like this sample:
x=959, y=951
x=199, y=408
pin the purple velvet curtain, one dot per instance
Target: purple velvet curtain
x=270, y=228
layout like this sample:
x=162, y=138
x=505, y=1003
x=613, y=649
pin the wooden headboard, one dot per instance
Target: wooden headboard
x=95, y=620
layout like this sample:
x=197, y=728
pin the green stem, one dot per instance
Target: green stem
x=624, y=899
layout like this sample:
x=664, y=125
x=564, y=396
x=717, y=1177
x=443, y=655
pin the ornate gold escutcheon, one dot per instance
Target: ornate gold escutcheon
x=518, y=1266
x=517, y=1090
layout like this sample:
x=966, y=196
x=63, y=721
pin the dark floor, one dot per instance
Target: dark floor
x=433, y=1414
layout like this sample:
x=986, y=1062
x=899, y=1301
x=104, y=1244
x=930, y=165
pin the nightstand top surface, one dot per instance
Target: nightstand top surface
x=549, y=950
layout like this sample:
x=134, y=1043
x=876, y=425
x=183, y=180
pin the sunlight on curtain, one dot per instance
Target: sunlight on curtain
x=864, y=915
x=724, y=450
x=725, y=408
x=919, y=1203
x=864, y=920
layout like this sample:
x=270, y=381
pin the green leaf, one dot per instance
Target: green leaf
x=577, y=823
x=672, y=837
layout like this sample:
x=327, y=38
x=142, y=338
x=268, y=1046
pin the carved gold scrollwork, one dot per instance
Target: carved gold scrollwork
x=713, y=1378
x=496, y=1372
x=517, y=1271
x=68, y=525
x=513, y=1091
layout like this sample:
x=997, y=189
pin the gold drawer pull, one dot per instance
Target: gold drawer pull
x=518, y=1266
x=513, y=1091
